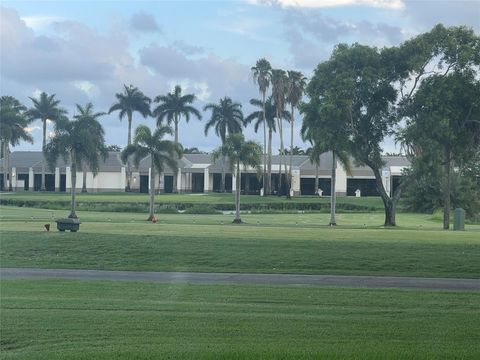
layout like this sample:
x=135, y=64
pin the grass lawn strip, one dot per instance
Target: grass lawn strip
x=103, y=320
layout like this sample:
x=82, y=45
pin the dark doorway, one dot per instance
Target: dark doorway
x=368, y=187
x=63, y=182
x=217, y=180
x=251, y=184
x=275, y=183
x=307, y=186
x=197, y=183
x=396, y=180
x=49, y=182
x=144, y=184
x=168, y=184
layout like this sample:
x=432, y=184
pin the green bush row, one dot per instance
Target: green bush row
x=192, y=208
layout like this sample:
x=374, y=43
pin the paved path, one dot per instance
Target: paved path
x=237, y=278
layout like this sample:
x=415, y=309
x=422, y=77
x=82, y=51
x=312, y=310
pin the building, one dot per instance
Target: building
x=198, y=173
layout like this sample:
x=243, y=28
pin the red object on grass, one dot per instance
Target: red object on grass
x=47, y=227
x=154, y=220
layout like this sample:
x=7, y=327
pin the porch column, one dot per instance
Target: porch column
x=206, y=180
x=296, y=181
x=123, y=178
x=14, y=179
x=179, y=181
x=341, y=183
x=149, y=179
x=162, y=183
x=68, y=179
x=57, y=179
x=30, y=179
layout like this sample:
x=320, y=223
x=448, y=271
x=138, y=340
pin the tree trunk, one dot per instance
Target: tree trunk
x=222, y=182
x=44, y=144
x=316, y=178
x=129, y=167
x=389, y=203
x=264, y=184
x=269, y=166
x=152, y=191
x=333, y=195
x=238, y=182
x=9, y=169
x=447, y=190
x=175, y=175
x=84, y=182
x=292, y=120
x=73, y=204
x=5, y=165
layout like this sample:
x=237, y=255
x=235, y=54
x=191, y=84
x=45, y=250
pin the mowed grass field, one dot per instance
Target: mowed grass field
x=273, y=243
x=61, y=319
x=128, y=320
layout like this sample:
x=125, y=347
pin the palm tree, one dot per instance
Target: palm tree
x=161, y=152
x=84, y=113
x=322, y=128
x=46, y=107
x=171, y=108
x=130, y=101
x=239, y=152
x=13, y=121
x=261, y=76
x=270, y=111
x=227, y=119
x=83, y=142
x=296, y=84
x=279, y=90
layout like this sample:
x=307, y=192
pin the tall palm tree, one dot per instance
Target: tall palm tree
x=46, y=107
x=227, y=119
x=296, y=84
x=240, y=153
x=13, y=121
x=82, y=141
x=279, y=91
x=130, y=101
x=322, y=128
x=171, y=108
x=84, y=114
x=261, y=76
x=270, y=112
x=161, y=152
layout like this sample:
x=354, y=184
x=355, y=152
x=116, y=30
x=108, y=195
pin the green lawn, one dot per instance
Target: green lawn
x=128, y=320
x=282, y=243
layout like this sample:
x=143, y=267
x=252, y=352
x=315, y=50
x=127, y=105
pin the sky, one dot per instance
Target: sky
x=84, y=51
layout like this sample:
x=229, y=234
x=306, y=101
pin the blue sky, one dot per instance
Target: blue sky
x=84, y=51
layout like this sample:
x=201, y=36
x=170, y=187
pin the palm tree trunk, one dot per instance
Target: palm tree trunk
x=291, y=151
x=129, y=142
x=333, y=196
x=269, y=167
x=316, y=178
x=152, y=190
x=446, y=191
x=5, y=165
x=73, y=204
x=238, y=179
x=9, y=169
x=44, y=144
x=265, y=185
x=175, y=175
x=222, y=183
x=84, y=184
x=282, y=155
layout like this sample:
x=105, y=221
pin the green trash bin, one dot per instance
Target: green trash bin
x=459, y=219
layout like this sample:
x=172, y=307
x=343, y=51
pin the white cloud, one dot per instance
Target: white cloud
x=40, y=22
x=87, y=87
x=31, y=129
x=388, y=4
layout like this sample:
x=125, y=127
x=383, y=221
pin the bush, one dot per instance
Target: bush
x=166, y=209
x=201, y=209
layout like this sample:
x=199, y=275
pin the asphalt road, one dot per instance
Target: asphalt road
x=236, y=278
